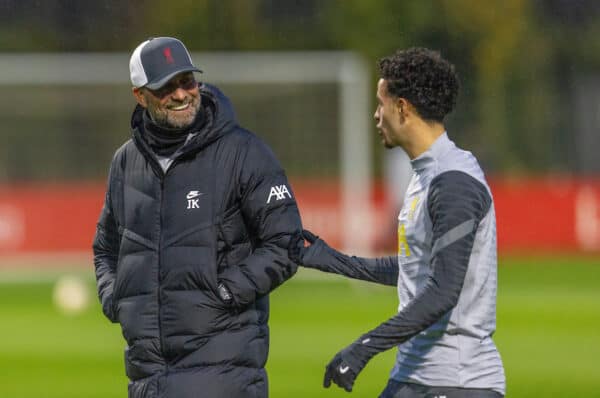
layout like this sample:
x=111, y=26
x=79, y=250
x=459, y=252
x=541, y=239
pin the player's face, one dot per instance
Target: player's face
x=386, y=116
x=174, y=105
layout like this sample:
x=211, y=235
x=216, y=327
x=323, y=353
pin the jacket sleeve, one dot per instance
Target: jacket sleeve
x=271, y=216
x=457, y=203
x=321, y=256
x=106, y=251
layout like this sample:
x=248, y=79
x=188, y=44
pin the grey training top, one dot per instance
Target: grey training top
x=446, y=273
x=447, y=231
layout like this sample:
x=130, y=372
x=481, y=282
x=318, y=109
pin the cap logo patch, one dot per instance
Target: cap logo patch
x=168, y=56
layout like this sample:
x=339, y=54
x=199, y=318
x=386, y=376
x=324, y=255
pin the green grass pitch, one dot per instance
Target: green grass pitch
x=548, y=335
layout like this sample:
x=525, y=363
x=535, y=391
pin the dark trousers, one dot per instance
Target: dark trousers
x=395, y=389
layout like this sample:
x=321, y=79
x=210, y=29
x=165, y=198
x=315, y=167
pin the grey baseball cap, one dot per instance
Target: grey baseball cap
x=155, y=62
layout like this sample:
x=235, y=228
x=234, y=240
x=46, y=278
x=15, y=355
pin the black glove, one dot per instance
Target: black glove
x=347, y=364
x=340, y=372
x=296, y=248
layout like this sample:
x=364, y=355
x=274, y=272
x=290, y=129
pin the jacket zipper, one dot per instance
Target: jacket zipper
x=160, y=250
x=159, y=254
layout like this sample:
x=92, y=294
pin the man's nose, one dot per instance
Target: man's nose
x=179, y=94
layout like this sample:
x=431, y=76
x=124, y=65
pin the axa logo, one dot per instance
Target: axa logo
x=192, y=201
x=279, y=192
x=402, y=241
x=413, y=207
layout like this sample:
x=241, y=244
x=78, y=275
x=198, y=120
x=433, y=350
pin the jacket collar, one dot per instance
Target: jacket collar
x=439, y=147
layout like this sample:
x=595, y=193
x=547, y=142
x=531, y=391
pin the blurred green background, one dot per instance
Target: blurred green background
x=548, y=322
x=529, y=70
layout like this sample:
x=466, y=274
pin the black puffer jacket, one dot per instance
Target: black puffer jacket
x=222, y=213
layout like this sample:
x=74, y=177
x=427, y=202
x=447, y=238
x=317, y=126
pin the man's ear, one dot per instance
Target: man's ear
x=402, y=106
x=139, y=96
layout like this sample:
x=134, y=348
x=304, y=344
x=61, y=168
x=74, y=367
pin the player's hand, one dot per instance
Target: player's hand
x=347, y=364
x=297, y=249
x=340, y=373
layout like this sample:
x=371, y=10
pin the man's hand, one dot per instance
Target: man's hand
x=296, y=249
x=347, y=364
x=340, y=372
x=224, y=294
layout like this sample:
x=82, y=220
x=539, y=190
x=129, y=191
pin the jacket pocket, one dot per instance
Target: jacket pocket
x=135, y=252
x=233, y=242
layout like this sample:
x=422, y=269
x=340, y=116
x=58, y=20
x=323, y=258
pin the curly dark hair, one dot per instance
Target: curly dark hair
x=424, y=78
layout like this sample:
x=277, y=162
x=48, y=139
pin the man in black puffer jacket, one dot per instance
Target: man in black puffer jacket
x=192, y=237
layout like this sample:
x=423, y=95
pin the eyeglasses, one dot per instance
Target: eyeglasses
x=188, y=83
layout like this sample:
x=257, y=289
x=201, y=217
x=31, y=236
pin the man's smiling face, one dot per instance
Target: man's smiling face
x=174, y=105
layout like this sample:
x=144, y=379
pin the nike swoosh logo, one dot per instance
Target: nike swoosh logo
x=344, y=369
x=193, y=194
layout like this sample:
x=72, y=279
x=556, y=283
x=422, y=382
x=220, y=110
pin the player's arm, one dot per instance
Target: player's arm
x=106, y=251
x=272, y=218
x=319, y=255
x=456, y=203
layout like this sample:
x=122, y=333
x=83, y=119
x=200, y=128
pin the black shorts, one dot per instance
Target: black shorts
x=395, y=389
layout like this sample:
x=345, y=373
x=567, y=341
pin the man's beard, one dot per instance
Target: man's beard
x=172, y=119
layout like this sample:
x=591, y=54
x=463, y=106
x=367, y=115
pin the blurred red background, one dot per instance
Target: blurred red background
x=545, y=214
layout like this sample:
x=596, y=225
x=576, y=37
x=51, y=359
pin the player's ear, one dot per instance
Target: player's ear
x=402, y=106
x=139, y=96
